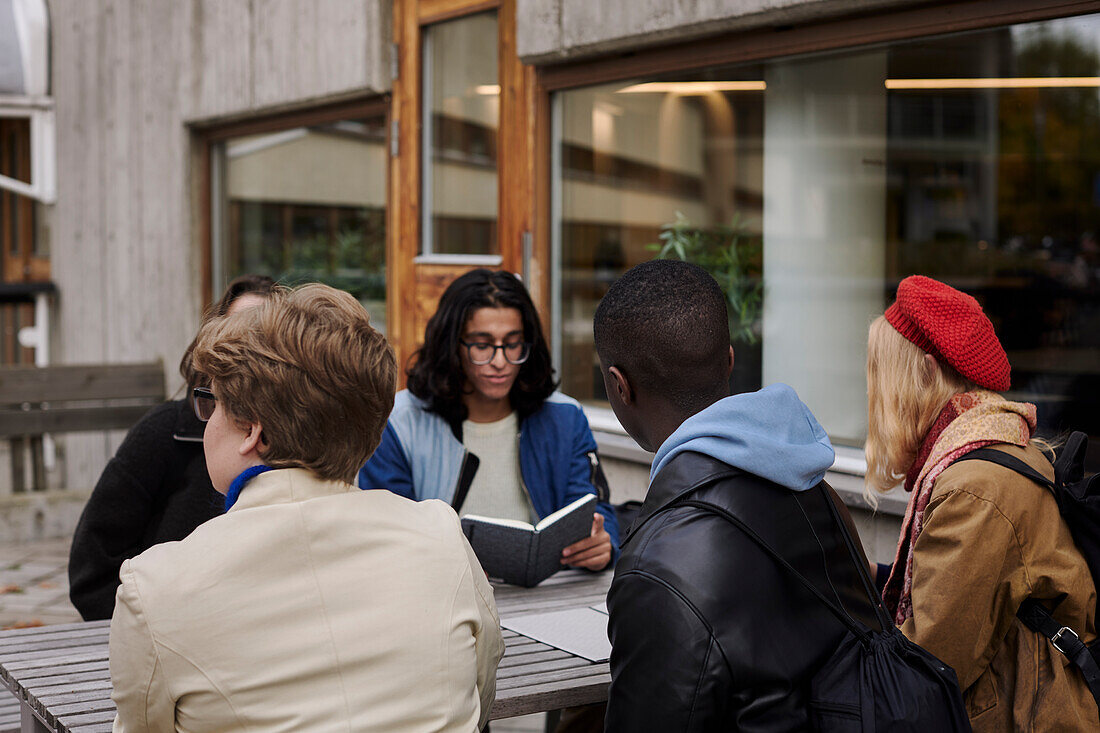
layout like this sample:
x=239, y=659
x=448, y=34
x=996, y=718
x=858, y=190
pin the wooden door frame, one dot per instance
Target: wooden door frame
x=419, y=284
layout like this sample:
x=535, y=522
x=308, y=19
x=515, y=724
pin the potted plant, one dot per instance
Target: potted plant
x=734, y=257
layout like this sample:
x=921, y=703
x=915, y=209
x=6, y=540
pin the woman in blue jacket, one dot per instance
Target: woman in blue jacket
x=481, y=426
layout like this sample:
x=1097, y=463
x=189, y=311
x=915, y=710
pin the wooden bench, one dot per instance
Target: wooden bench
x=62, y=399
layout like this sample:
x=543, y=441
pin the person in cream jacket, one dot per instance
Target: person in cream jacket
x=309, y=605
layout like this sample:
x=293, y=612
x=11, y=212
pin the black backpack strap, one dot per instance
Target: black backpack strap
x=858, y=558
x=749, y=532
x=1031, y=613
x=1010, y=462
x=1036, y=617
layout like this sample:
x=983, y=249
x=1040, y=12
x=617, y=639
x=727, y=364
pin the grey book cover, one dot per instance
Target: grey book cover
x=521, y=554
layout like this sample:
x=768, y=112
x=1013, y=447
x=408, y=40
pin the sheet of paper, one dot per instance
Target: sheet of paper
x=579, y=631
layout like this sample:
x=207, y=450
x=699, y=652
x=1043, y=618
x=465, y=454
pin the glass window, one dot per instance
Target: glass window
x=973, y=158
x=459, y=133
x=633, y=157
x=306, y=204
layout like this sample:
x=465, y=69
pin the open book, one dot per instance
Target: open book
x=522, y=554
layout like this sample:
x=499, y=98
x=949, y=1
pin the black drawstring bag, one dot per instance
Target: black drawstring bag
x=874, y=680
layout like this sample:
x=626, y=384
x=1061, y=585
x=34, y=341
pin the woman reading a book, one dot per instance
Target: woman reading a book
x=481, y=425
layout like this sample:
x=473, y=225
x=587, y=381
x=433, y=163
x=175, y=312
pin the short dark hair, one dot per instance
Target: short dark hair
x=436, y=375
x=664, y=325
x=257, y=284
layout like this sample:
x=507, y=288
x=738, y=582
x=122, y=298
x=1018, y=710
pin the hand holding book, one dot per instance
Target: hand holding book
x=519, y=553
x=591, y=553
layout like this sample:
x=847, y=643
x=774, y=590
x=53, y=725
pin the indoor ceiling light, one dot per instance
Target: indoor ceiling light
x=1038, y=82
x=693, y=87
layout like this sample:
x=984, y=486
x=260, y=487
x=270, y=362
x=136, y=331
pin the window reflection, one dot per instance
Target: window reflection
x=461, y=114
x=637, y=162
x=1000, y=196
x=308, y=204
x=973, y=158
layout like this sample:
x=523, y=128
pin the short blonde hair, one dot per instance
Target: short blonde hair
x=309, y=368
x=904, y=396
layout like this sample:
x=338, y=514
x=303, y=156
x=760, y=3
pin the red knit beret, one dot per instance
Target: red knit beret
x=950, y=326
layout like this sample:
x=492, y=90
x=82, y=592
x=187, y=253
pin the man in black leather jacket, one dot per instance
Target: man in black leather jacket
x=708, y=632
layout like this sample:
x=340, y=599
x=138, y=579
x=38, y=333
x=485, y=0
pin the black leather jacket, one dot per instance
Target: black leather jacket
x=708, y=632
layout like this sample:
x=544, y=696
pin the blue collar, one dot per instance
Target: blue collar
x=238, y=484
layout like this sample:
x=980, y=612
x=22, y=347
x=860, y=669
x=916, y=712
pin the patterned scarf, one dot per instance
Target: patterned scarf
x=969, y=421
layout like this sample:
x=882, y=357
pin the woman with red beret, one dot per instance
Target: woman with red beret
x=978, y=539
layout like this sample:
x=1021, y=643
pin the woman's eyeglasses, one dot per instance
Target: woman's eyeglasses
x=203, y=403
x=482, y=352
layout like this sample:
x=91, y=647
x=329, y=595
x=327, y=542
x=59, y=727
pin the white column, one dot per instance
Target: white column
x=824, y=230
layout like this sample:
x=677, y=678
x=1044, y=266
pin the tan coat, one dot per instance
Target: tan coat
x=992, y=538
x=309, y=606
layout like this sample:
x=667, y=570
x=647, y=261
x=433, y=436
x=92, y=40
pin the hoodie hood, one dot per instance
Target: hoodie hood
x=770, y=433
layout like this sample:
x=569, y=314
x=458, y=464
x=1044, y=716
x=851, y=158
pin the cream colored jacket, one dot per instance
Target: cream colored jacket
x=309, y=606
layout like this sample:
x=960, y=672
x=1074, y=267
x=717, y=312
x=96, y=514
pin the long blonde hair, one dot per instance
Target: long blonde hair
x=905, y=394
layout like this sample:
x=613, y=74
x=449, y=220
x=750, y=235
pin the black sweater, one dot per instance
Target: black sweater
x=155, y=489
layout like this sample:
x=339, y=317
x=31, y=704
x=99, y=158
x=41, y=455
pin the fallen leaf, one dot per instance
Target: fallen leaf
x=24, y=625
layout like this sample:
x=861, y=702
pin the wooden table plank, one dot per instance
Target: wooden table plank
x=63, y=711
x=74, y=670
x=509, y=673
x=99, y=728
x=550, y=696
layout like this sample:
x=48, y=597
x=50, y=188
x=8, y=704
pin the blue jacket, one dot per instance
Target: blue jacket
x=421, y=458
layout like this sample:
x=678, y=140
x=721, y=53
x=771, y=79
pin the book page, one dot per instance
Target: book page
x=564, y=511
x=515, y=523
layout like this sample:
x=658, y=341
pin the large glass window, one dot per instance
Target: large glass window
x=306, y=204
x=973, y=158
x=459, y=133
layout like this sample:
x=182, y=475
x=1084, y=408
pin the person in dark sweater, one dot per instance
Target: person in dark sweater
x=155, y=489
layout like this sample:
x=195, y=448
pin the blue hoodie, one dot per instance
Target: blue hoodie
x=770, y=433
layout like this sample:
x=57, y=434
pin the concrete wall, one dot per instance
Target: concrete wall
x=128, y=77
x=556, y=30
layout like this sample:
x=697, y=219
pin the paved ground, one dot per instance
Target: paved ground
x=34, y=585
x=34, y=591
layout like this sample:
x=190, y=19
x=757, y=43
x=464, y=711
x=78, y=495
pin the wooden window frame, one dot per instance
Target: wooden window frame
x=209, y=134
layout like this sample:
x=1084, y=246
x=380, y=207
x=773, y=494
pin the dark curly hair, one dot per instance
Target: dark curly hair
x=436, y=375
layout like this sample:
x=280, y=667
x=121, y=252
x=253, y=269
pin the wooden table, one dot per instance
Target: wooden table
x=60, y=675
